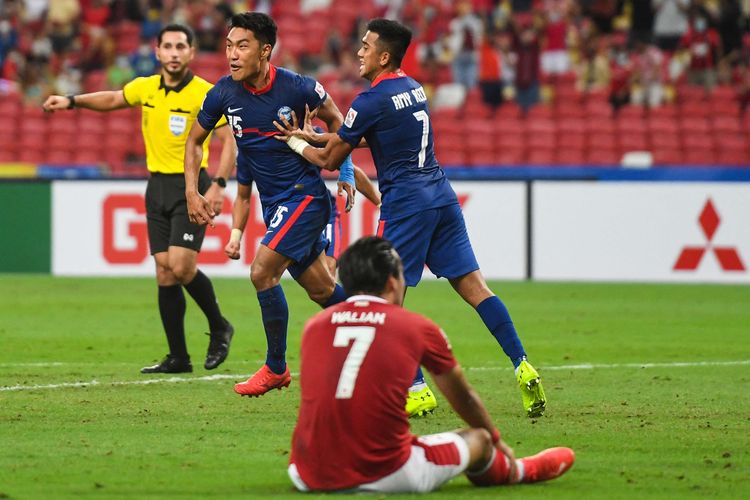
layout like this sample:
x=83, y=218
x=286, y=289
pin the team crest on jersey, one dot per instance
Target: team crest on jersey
x=320, y=90
x=350, y=117
x=285, y=112
x=177, y=124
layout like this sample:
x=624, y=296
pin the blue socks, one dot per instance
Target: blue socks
x=495, y=316
x=275, y=313
x=338, y=295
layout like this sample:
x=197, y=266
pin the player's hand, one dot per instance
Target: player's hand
x=308, y=131
x=506, y=450
x=350, y=191
x=215, y=197
x=199, y=209
x=232, y=249
x=55, y=102
x=287, y=129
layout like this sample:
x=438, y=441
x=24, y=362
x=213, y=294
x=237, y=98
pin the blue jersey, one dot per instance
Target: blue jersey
x=394, y=119
x=279, y=173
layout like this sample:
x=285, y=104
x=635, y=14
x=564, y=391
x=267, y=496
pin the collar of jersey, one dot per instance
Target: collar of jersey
x=370, y=298
x=188, y=78
x=388, y=76
x=272, y=77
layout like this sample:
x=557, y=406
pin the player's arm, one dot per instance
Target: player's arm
x=240, y=213
x=329, y=157
x=199, y=210
x=227, y=162
x=107, y=100
x=463, y=398
x=366, y=187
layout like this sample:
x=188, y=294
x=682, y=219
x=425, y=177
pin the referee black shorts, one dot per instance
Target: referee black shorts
x=166, y=212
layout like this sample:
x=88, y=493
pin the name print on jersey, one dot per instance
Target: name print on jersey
x=402, y=100
x=373, y=318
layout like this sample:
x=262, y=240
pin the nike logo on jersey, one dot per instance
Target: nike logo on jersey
x=230, y=110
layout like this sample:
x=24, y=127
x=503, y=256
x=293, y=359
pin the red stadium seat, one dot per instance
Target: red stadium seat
x=58, y=157
x=602, y=141
x=695, y=125
x=603, y=157
x=667, y=156
x=726, y=124
x=699, y=157
x=665, y=141
x=633, y=141
x=572, y=140
x=571, y=125
x=484, y=158
x=733, y=157
x=657, y=125
x=541, y=140
x=694, y=110
x=543, y=156
x=571, y=156
x=510, y=156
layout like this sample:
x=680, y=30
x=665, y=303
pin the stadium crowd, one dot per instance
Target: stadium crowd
x=475, y=57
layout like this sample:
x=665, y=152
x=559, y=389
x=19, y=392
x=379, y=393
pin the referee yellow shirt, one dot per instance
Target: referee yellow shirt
x=167, y=115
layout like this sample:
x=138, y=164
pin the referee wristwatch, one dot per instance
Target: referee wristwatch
x=221, y=181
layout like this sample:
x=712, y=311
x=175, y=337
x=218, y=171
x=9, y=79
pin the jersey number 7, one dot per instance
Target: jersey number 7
x=362, y=337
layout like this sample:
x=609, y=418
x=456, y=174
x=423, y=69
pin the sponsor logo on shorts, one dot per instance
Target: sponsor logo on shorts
x=320, y=90
x=188, y=237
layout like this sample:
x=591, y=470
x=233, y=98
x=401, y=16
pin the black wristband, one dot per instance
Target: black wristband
x=72, y=103
x=221, y=181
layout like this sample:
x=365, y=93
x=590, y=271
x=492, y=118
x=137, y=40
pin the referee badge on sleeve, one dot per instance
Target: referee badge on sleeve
x=177, y=124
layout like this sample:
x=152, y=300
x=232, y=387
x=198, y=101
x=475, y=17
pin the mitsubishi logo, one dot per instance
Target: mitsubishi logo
x=690, y=257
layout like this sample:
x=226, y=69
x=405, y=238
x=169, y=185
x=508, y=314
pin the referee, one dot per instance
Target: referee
x=170, y=101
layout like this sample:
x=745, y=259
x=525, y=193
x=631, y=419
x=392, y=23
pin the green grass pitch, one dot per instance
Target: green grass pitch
x=650, y=384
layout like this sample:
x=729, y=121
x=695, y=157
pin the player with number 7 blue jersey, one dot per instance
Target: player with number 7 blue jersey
x=420, y=214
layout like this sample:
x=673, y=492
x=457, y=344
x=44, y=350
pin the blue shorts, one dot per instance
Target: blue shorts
x=436, y=237
x=295, y=230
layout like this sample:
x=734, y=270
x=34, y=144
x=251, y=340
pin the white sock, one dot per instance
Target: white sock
x=418, y=387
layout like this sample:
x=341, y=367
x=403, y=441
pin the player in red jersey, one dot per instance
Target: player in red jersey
x=358, y=360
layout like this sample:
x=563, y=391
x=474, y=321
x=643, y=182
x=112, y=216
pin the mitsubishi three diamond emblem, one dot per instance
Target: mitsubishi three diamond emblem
x=728, y=257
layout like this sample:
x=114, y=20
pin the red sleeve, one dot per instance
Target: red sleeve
x=437, y=356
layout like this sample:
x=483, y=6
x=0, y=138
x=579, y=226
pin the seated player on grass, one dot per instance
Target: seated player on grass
x=358, y=360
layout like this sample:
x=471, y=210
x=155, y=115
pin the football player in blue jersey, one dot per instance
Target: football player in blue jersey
x=420, y=213
x=295, y=200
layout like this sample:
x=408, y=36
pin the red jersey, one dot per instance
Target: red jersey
x=358, y=360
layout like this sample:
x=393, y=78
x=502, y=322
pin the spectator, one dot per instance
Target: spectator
x=593, y=69
x=8, y=39
x=526, y=47
x=641, y=20
x=465, y=39
x=118, y=74
x=143, y=61
x=703, y=45
x=621, y=71
x=670, y=22
x=68, y=82
x=61, y=23
x=555, y=59
x=490, y=81
x=648, y=88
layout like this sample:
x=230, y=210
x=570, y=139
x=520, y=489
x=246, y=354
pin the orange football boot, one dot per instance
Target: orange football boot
x=263, y=381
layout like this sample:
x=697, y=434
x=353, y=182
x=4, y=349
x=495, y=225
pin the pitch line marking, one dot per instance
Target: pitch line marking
x=228, y=376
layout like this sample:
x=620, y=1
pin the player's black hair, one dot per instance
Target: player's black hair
x=176, y=27
x=263, y=27
x=393, y=36
x=367, y=264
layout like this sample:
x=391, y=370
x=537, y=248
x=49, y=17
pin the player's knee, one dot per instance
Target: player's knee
x=321, y=294
x=261, y=278
x=184, y=273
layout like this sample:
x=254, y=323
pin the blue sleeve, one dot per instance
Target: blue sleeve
x=313, y=91
x=362, y=116
x=211, y=109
